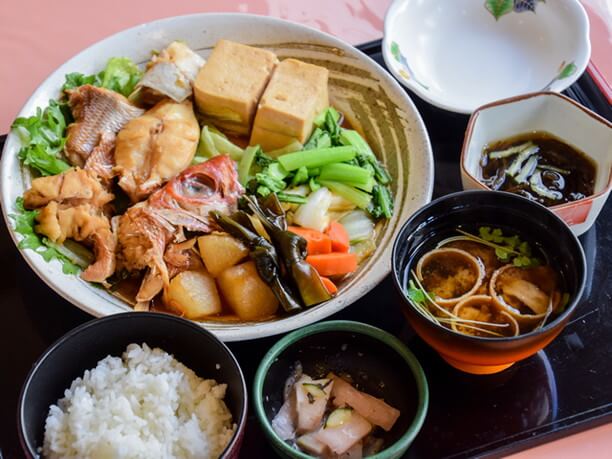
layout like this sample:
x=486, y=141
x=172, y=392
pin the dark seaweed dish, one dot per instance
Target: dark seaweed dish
x=538, y=166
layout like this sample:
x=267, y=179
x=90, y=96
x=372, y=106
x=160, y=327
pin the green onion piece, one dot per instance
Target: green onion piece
x=245, y=164
x=357, y=197
x=301, y=176
x=317, y=158
x=321, y=117
x=206, y=146
x=292, y=147
x=290, y=197
x=340, y=172
x=224, y=146
x=353, y=138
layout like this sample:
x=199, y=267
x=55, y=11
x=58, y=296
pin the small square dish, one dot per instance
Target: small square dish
x=550, y=113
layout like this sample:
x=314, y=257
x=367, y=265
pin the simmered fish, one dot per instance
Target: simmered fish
x=146, y=229
x=155, y=147
x=72, y=207
x=170, y=73
x=99, y=114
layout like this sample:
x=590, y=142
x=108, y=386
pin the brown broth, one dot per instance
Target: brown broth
x=578, y=184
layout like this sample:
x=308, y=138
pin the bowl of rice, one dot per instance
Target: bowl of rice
x=135, y=385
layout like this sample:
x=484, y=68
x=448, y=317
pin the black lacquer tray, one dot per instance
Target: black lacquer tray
x=562, y=390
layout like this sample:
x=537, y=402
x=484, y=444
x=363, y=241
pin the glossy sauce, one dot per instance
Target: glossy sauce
x=577, y=184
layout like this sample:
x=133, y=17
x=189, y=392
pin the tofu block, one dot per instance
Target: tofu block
x=296, y=94
x=230, y=84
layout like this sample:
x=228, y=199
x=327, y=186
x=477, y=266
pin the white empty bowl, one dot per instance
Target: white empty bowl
x=558, y=115
x=461, y=54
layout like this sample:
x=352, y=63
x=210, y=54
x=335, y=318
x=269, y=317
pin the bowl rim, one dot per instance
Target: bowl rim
x=467, y=140
x=577, y=298
x=386, y=338
x=245, y=330
x=582, y=18
x=89, y=327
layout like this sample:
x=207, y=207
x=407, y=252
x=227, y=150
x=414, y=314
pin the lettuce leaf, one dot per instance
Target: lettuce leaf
x=25, y=220
x=42, y=136
x=119, y=75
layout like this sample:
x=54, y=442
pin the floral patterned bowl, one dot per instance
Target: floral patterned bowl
x=462, y=54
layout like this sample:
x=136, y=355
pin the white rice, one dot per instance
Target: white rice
x=143, y=405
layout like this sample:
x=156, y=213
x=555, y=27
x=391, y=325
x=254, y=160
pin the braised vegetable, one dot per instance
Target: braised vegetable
x=317, y=242
x=220, y=251
x=291, y=248
x=333, y=264
x=339, y=237
x=193, y=294
x=246, y=293
x=265, y=257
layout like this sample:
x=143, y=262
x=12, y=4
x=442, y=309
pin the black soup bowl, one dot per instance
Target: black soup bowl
x=83, y=347
x=514, y=215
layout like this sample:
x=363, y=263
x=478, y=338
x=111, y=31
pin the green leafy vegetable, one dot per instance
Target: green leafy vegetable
x=382, y=202
x=415, y=294
x=120, y=75
x=506, y=247
x=42, y=136
x=25, y=220
x=567, y=71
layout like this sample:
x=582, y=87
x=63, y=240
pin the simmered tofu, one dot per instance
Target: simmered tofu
x=230, y=84
x=296, y=94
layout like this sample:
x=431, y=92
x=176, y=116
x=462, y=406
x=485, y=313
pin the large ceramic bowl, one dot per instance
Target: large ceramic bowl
x=359, y=87
x=439, y=219
x=461, y=54
x=83, y=347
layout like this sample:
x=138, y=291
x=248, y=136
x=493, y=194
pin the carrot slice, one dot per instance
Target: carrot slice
x=333, y=264
x=339, y=237
x=329, y=285
x=318, y=242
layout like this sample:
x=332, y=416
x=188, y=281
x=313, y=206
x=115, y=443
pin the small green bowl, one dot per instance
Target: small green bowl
x=377, y=361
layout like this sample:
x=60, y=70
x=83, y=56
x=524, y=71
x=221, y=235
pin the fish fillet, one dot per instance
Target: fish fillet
x=99, y=114
x=171, y=73
x=155, y=147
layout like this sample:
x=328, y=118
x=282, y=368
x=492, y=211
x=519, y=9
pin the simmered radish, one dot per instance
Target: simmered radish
x=193, y=294
x=244, y=291
x=220, y=251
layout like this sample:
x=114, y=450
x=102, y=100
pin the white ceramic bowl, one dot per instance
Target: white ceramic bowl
x=359, y=87
x=558, y=115
x=461, y=54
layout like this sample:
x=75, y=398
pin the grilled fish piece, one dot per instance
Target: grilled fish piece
x=147, y=228
x=99, y=114
x=155, y=147
x=171, y=73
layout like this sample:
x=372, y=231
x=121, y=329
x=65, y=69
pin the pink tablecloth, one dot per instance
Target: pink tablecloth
x=36, y=36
